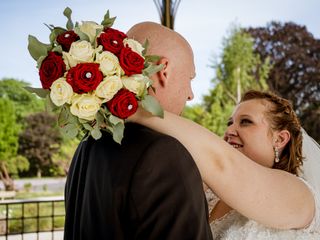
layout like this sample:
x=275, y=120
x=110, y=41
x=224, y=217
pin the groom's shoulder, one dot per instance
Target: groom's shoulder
x=152, y=143
x=135, y=137
x=136, y=132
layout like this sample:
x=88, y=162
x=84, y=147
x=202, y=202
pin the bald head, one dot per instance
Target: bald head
x=162, y=40
x=172, y=83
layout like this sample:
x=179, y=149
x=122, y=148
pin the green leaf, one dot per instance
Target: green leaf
x=50, y=106
x=98, y=31
x=96, y=133
x=81, y=34
x=118, y=132
x=145, y=45
x=55, y=33
x=39, y=61
x=72, y=118
x=104, y=110
x=63, y=117
x=99, y=118
x=115, y=120
x=82, y=121
x=57, y=49
x=37, y=48
x=66, y=117
x=152, y=69
x=70, y=130
x=51, y=27
x=67, y=12
x=152, y=58
x=39, y=91
x=87, y=126
x=151, y=104
x=107, y=21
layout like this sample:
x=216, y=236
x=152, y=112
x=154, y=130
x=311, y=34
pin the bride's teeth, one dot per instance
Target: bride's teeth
x=235, y=145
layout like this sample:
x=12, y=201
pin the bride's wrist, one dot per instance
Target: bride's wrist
x=139, y=116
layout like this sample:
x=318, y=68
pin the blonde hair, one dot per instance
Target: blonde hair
x=281, y=116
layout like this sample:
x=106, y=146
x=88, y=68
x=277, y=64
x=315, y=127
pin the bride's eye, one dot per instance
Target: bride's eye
x=229, y=123
x=245, y=121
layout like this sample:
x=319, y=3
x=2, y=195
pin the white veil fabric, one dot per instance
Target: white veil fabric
x=311, y=163
x=311, y=175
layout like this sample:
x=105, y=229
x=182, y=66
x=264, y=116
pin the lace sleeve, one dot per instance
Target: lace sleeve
x=315, y=224
x=212, y=199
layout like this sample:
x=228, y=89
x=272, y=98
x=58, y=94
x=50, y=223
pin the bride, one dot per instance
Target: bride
x=265, y=183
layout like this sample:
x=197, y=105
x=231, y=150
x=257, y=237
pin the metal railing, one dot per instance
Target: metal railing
x=21, y=219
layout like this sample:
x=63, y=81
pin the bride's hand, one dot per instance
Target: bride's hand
x=139, y=116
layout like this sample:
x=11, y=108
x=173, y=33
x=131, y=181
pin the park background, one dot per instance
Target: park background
x=232, y=43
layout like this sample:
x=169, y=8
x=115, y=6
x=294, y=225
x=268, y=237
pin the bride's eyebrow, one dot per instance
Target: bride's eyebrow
x=245, y=115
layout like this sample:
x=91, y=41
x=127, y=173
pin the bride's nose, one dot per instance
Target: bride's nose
x=230, y=132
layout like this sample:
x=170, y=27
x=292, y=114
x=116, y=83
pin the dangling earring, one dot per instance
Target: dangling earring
x=276, y=152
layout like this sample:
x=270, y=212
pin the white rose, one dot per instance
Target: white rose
x=85, y=106
x=61, y=92
x=80, y=52
x=108, y=88
x=109, y=63
x=136, y=83
x=90, y=28
x=134, y=45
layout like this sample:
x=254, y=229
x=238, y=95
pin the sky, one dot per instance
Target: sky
x=204, y=23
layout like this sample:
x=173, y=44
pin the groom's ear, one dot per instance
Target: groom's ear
x=163, y=73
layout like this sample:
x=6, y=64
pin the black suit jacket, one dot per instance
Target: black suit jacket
x=146, y=188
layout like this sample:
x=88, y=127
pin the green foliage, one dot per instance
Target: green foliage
x=39, y=141
x=36, y=48
x=151, y=68
x=151, y=104
x=9, y=139
x=24, y=101
x=40, y=92
x=27, y=186
x=295, y=75
x=237, y=70
x=220, y=110
x=67, y=12
x=9, y=130
x=63, y=157
x=31, y=211
x=19, y=163
x=107, y=21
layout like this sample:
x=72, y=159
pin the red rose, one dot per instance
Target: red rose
x=66, y=39
x=112, y=40
x=130, y=61
x=52, y=68
x=123, y=104
x=84, y=77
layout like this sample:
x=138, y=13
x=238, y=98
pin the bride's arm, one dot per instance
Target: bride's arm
x=272, y=197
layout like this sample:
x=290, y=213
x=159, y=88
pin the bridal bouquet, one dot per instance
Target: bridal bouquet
x=93, y=76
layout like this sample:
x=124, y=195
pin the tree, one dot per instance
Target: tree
x=237, y=70
x=24, y=101
x=39, y=142
x=10, y=162
x=295, y=56
x=63, y=157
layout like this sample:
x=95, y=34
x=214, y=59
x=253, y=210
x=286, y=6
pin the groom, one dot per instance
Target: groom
x=149, y=186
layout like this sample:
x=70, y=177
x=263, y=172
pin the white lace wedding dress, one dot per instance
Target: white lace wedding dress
x=234, y=226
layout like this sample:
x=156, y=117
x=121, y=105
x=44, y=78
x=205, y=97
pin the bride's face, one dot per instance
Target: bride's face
x=249, y=132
